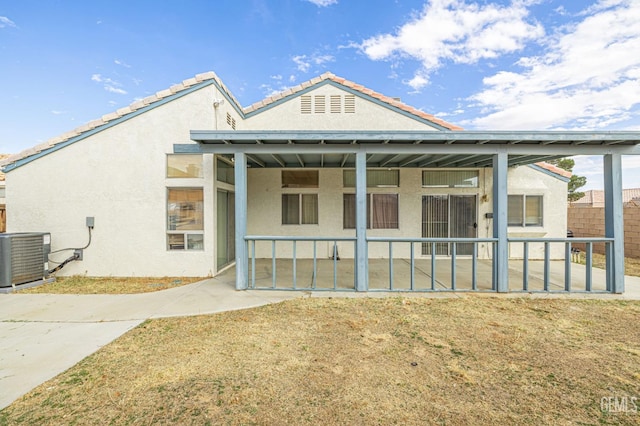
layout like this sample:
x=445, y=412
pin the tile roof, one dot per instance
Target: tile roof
x=107, y=118
x=327, y=76
x=186, y=84
x=595, y=197
x=554, y=169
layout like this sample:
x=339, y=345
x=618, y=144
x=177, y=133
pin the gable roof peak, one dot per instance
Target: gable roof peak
x=354, y=87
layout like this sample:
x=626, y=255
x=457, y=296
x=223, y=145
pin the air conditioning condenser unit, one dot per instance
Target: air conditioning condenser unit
x=23, y=258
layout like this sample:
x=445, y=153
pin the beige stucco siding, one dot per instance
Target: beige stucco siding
x=368, y=115
x=118, y=177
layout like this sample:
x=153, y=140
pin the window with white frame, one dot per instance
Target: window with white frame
x=450, y=178
x=184, y=166
x=185, y=219
x=299, y=209
x=375, y=178
x=224, y=171
x=382, y=211
x=524, y=210
x=300, y=178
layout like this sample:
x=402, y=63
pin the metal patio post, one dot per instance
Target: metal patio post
x=500, y=215
x=614, y=220
x=242, y=265
x=362, y=257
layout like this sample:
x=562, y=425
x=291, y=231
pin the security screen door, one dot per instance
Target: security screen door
x=449, y=216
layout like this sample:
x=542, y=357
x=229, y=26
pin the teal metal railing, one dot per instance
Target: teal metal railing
x=294, y=240
x=433, y=245
x=570, y=255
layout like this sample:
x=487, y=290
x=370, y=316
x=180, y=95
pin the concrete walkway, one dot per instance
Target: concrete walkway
x=42, y=335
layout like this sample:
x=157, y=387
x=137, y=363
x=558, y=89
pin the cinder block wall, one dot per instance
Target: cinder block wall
x=589, y=222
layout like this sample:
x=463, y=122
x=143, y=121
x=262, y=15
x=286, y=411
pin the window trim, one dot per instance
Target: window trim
x=453, y=186
x=371, y=196
x=166, y=166
x=300, y=196
x=345, y=184
x=523, y=214
x=184, y=232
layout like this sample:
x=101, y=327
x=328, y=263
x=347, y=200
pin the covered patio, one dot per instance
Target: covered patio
x=363, y=149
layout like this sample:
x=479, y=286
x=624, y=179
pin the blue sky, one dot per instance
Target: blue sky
x=521, y=64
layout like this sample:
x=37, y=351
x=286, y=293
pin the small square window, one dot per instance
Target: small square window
x=524, y=210
x=184, y=166
x=300, y=178
x=382, y=211
x=299, y=209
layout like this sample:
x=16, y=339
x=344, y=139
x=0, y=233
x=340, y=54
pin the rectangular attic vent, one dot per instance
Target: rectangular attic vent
x=320, y=104
x=231, y=121
x=350, y=104
x=335, y=104
x=305, y=104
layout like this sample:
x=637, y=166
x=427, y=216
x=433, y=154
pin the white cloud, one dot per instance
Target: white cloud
x=304, y=62
x=121, y=63
x=587, y=77
x=6, y=22
x=455, y=31
x=108, y=84
x=57, y=112
x=323, y=3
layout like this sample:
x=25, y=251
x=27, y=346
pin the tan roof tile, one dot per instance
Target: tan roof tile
x=555, y=169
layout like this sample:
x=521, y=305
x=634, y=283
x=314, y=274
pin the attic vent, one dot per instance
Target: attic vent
x=335, y=104
x=305, y=104
x=231, y=121
x=320, y=104
x=349, y=104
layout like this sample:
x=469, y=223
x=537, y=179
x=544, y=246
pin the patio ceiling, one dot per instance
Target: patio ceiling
x=407, y=148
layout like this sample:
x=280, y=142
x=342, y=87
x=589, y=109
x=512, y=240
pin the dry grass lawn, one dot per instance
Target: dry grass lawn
x=109, y=285
x=460, y=361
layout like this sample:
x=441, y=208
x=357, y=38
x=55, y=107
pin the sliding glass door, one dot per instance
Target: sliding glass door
x=449, y=216
x=226, y=247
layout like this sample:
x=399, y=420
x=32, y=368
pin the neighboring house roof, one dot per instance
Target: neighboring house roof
x=199, y=81
x=3, y=157
x=595, y=197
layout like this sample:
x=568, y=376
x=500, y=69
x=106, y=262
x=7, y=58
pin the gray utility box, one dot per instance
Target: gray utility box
x=24, y=257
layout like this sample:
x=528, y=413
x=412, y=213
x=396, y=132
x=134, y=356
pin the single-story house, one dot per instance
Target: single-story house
x=188, y=182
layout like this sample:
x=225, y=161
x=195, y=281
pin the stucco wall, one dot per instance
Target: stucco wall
x=118, y=177
x=265, y=215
